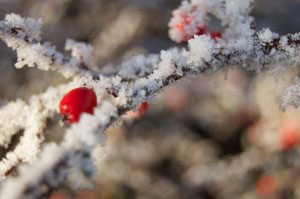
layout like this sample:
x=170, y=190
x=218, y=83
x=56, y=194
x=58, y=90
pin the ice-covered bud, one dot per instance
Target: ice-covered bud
x=188, y=20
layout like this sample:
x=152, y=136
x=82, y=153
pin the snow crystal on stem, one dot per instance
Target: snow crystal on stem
x=266, y=36
x=202, y=49
x=291, y=95
x=24, y=27
x=55, y=161
x=80, y=51
x=137, y=80
x=23, y=36
x=138, y=66
x=187, y=21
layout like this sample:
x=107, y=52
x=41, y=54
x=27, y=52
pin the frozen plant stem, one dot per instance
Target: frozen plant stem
x=136, y=80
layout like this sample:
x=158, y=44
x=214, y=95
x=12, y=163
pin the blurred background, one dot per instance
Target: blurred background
x=217, y=137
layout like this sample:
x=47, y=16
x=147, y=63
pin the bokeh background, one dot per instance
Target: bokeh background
x=216, y=137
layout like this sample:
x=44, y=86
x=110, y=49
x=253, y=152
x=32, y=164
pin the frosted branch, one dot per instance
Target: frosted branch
x=51, y=169
x=23, y=36
x=135, y=81
x=291, y=96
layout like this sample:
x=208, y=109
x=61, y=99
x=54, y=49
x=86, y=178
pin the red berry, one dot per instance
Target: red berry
x=290, y=136
x=266, y=186
x=182, y=27
x=77, y=101
x=215, y=35
x=59, y=195
x=187, y=21
x=142, y=109
x=201, y=31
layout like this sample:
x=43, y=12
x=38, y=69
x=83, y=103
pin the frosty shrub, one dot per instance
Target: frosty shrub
x=135, y=81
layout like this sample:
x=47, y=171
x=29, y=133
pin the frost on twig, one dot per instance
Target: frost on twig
x=23, y=36
x=137, y=67
x=80, y=51
x=291, y=95
x=51, y=169
x=135, y=81
x=31, y=122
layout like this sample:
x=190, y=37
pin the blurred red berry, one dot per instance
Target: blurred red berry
x=182, y=27
x=266, y=186
x=289, y=136
x=59, y=195
x=143, y=108
x=176, y=98
x=77, y=101
x=186, y=22
x=215, y=35
x=200, y=31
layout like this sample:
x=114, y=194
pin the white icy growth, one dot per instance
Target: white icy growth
x=202, y=49
x=138, y=79
x=15, y=186
x=54, y=162
x=23, y=36
x=238, y=8
x=138, y=66
x=31, y=118
x=29, y=27
x=82, y=52
x=266, y=36
x=291, y=95
x=186, y=21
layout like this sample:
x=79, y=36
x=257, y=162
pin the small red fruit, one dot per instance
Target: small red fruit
x=266, y=186
x=187, y=21
x=77, y=101
x=290, y=136
x=142, y=109
x=215, y=35
x=200, y=31
x=59, y=195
